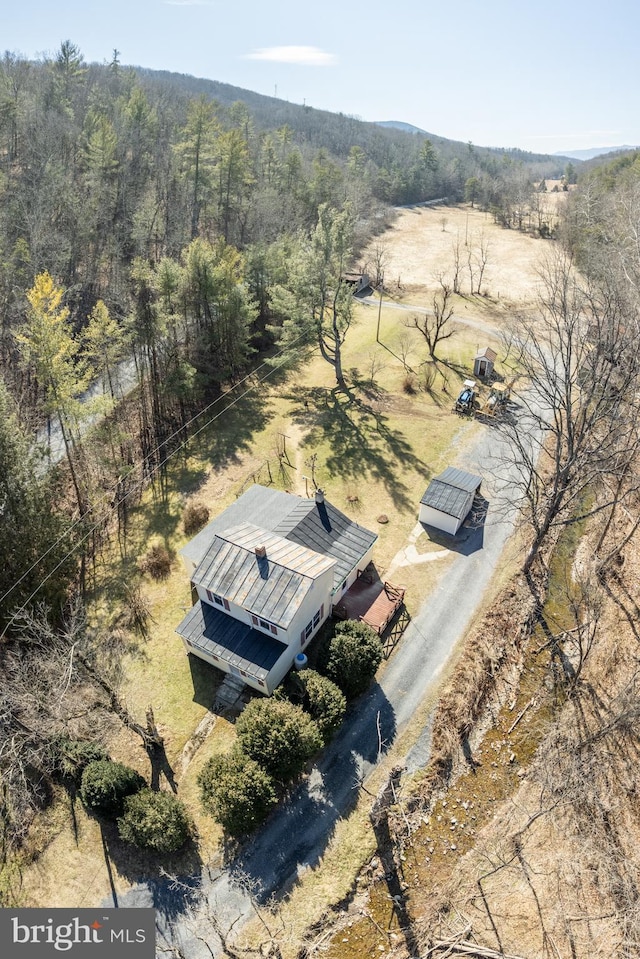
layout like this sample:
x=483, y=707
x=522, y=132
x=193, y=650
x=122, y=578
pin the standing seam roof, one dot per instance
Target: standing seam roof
x=449, y=492
x=273, y=586
x=219, y=635
x=324, y=528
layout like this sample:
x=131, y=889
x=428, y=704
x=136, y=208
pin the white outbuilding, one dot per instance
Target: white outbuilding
x=448, y=499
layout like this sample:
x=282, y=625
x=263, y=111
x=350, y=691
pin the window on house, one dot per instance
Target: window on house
x=344, y=585
x=264, y=624
x=218, y=600
x=316, y=618
x=308, y=630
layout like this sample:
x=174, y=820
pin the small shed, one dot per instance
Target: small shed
x=448, y=499
x=357, y=281
x=484, y=362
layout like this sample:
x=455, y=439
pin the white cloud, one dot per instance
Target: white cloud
x=301, y=56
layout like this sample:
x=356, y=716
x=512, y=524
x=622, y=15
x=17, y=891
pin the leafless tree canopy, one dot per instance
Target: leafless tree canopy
x=55, y=683
x=575, y=432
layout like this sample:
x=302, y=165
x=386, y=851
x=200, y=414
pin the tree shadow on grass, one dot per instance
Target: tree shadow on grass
x=154, y=872
x=362, y=444
x=234, y=422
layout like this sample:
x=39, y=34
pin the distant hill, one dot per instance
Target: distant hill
x=593, y=152
x=387, y=142
x=401, y=125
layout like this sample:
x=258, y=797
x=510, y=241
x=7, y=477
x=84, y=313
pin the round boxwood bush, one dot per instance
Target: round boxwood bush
x=237, y=792
x=355, y=652
x=106, y=784
x=279, y=736
x=154, y=820
x=323, y=700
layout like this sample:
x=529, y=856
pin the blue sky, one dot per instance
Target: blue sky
x=542, y=76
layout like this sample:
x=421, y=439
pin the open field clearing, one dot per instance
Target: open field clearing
x=417, y=250
x=372, y=450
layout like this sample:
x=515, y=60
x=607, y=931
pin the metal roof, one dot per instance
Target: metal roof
x=272, y=586
x=262, y=506
x=317, y=526
x=218, y=634
x=449, y=492
x=324, y=528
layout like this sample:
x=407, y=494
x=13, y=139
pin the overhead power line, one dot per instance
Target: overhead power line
x=115, y=505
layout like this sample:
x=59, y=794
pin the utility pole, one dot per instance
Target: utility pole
x=380, y=290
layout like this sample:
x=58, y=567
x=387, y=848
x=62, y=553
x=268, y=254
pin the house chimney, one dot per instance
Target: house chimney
x=261, y=552
x=319, y=495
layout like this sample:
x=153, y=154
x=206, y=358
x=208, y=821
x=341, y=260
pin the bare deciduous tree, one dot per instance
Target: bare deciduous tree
x=577, y=426
x=436, y=327
x=55, y=683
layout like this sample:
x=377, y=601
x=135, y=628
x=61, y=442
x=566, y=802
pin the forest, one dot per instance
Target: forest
x=192, y=232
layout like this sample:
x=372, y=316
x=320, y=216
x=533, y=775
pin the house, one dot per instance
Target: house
x=265, y=574
x=484, y=362
x=448, y=499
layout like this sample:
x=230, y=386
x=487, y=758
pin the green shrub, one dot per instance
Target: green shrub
x=279, y=736
x=323, y=700
x=154, y=820
x=106, y=784
x=355, y=652
x=237, y=792
x=72, y=756
x=195, y=516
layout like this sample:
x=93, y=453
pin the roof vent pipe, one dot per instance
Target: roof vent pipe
x=261, y=552
x=319, y=495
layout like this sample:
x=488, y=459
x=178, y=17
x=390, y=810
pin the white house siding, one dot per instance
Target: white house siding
x=279, y=670
x=353, y=575
x=318, y=595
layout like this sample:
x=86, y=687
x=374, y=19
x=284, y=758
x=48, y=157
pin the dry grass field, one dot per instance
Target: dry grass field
x=419, y=247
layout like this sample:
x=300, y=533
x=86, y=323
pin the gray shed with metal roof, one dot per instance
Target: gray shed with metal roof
x=448, y=499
